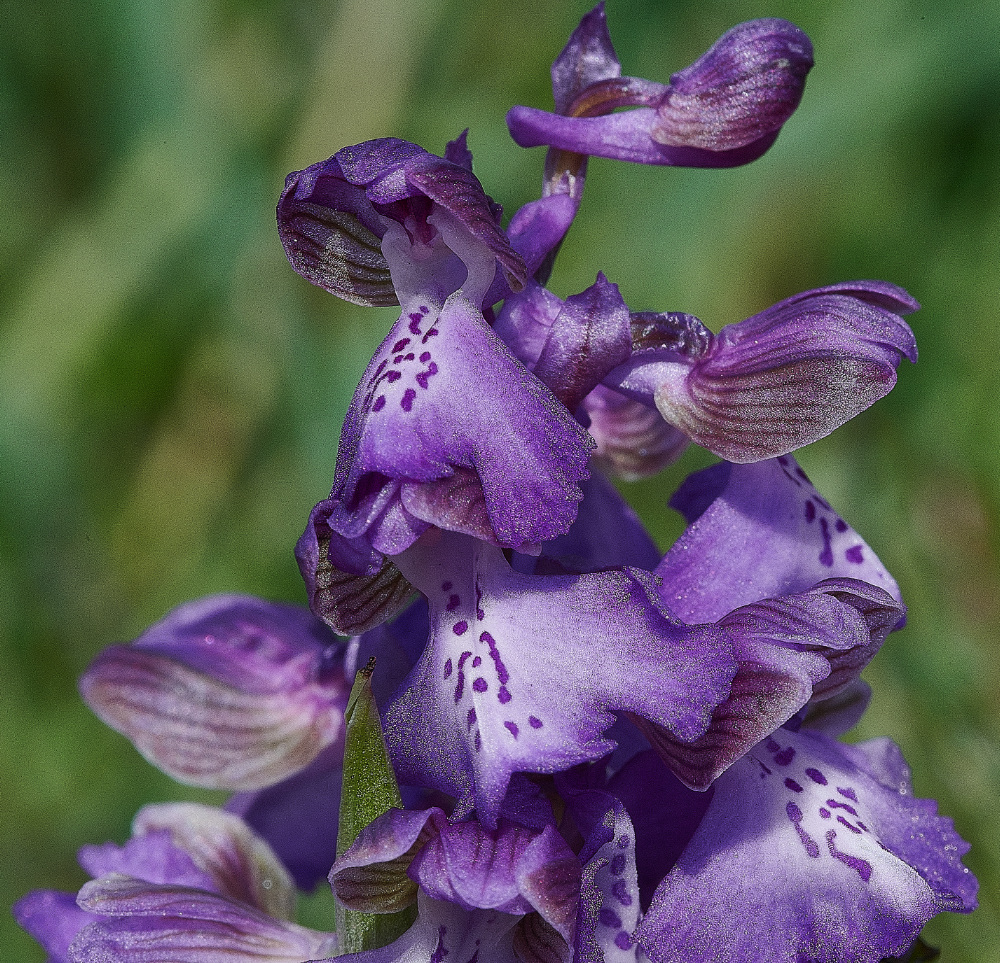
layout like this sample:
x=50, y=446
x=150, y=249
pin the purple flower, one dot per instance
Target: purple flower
x=193, y=884
x=229, y=692
x=725, y=109
x=779, y=380
x=807, y=849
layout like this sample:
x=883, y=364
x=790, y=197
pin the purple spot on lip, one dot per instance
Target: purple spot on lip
x=854, y=554
x=810, y=510
x=392, y=376
x=795, y=817
x=447, y=668
x=425, y=376
x=861, y=866
x=477, y=745
x=623, y=941
x=816, y=776
x=480, y=684
x=621, y=893
x=824, y=812
x=617, y=866
x=844, y=822
x=840, y=525
x=849, y=793
x=406, y=403
x=535, y=722
x=609, y=918
x=460, y=628
x=503, y=695
x=784, y=757
x=414, y=325
x=826, y=556
x=477, y=662
x=471, y=718
x=793, y=785
x=511, y=727
x=453, y=603
x=834, y=804
x=379, y=403
x=446, y=586
x=502, y=674
x=425, y=356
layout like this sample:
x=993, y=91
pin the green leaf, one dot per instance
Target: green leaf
x=369, y=789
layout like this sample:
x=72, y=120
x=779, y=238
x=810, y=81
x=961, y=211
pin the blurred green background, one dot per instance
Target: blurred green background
x=171, y=392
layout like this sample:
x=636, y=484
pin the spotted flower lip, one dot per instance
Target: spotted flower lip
x=332, y=216
x=809, y=847
x=723, y=110
x=228, y=692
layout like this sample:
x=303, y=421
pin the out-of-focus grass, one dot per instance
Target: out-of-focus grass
x=171, y=393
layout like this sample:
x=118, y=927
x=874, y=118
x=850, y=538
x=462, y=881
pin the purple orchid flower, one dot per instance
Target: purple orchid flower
x=724, y=110
x=228, y=692
x=194, y=884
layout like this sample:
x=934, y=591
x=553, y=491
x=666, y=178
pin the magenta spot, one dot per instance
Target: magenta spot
x=816, y=776
x=771, y=745
x=862, y=826
x=409, y=356
x=393, y=376
x=414, y=325
x=512, y=728
x=861, y=866
x=852, y=828
x=793, y=785
x=397, y=359
x=423, y=309
x=503, y=695
x=784, y=757
x=621, y=893
x=447, y=668
x=502, y=674
x=459, y=687
x=848, y=793
x=833, y=804
x=478, y=744
x=446, y=586
x=379, y=403
x=617, y=866
x=795, y=817
x=609, y=917
x=406, y=403
x=439, y=951
x=425, y=357
x=400, y=344
x=623, y=941
x=477, y=662
x=460, y=628
x=381, y=367
x=425, y=376
x=453, y=603
x=479, y=684
x=480, y=614
x=854, y=554
x=471, y=718
x=826, y=556
x=810, y=510
x=430, y=334
x=840, y=525
x=534, y=722
x=824, y=812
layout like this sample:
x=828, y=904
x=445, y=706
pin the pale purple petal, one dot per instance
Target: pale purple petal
x=523, y=673
x=758, y=531
x=142, y=923
x=740, y=91
x=227, y=692
x=804, y=853
x=154, y=857
x=783, y=378
x=240, y=863
x=789, y=650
